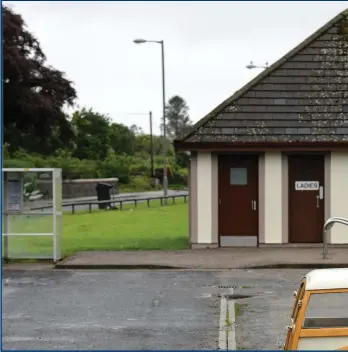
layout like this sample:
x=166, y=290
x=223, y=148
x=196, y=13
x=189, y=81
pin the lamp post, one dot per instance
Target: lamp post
x=151, y=147
x=165, y=178
x=251, y=65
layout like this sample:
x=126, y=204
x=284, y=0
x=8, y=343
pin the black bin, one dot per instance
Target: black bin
x=103, y=193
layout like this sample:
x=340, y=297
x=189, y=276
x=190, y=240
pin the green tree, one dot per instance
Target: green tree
x=177, y=117
x=116, y=166
x=92, y=134
x=178, y=123
x=122, y=139
x=136, y=130
x=34, y=93
x=143, y=145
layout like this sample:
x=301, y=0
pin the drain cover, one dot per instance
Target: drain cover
x=237, y=296
x=228, y=286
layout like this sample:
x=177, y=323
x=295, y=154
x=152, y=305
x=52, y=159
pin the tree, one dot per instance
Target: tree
x=137, y=130
x=177, y=117
x=178, y=123
x=92, y=134
x=34, y=94
x=122, y=139
x=143, y=145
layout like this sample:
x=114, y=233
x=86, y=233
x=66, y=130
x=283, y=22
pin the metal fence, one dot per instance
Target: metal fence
x=118, y=203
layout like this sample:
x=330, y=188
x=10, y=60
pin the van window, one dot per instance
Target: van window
x=327, y=310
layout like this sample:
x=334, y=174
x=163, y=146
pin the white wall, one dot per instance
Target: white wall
x=273, y=198
x=339, y=195
x=204, y=197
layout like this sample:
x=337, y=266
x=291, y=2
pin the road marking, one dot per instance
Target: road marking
x=222, y=325
x=231, y=337
x=227, y=330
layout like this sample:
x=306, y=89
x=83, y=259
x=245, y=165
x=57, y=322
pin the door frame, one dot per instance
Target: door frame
x=326, y=155
x=257, y=156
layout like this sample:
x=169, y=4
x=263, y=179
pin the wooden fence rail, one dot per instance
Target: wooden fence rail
x=116, y=202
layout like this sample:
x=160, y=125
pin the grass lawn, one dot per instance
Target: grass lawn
x=132, y=228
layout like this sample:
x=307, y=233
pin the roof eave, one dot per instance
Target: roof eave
x=260, y=146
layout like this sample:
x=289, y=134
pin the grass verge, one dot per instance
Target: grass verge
x=239, y=309
x=141, y=228
x=227, y=319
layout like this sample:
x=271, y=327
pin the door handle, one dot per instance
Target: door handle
x=318, y=203
x=253, y=205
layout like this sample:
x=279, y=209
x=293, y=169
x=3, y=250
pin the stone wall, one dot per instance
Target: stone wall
x=78, y=188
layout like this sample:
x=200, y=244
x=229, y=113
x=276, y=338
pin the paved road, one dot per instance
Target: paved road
x=143, y=309
x=123, y=197
x=109, y=310
x=265, y=314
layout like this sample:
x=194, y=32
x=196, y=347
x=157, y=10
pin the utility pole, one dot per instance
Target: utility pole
x=151, y=146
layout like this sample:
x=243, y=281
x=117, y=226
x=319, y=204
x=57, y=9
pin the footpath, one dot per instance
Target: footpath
x=221, y=258
x=200, y=259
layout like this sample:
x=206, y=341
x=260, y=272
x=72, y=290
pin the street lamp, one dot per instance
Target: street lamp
x=165, y=178
x=251, y=65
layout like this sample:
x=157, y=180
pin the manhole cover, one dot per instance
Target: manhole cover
x=237, y=296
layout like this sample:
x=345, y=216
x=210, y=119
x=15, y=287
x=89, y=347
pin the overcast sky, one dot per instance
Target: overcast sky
x=207, y=46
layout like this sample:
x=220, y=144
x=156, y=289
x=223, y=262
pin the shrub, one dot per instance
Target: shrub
x=138, y=184
x=121, y=166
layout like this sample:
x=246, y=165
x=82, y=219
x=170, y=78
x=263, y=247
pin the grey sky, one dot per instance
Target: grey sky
x=207, y=46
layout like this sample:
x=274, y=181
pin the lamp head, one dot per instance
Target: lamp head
x=250, y=66
x=139, y=41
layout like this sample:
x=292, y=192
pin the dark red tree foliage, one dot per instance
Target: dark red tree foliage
x=34, y=93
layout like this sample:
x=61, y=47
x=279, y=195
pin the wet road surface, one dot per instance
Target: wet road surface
x=143, y=309
x=109, y=310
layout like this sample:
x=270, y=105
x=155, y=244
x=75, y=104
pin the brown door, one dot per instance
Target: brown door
x=306, y=198
x=238, y=200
